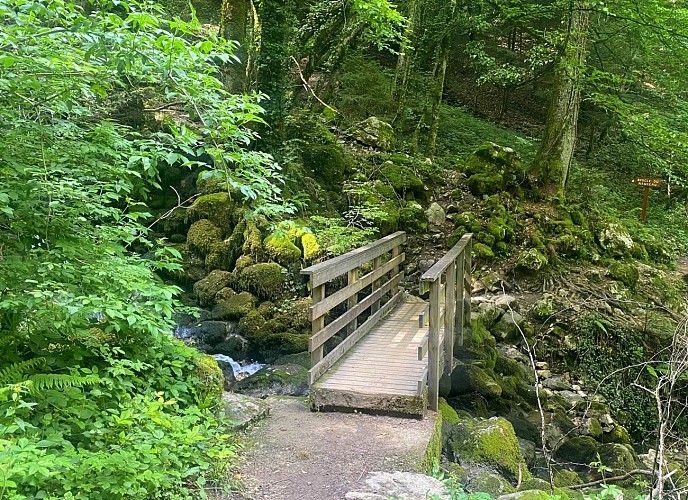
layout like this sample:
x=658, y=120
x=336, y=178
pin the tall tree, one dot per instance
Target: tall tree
x=551, y=166
x=234, y=26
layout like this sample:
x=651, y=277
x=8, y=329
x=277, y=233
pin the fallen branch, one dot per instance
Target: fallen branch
x=308, y=87
x=634, y=472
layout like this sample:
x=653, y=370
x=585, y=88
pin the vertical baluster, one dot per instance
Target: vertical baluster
x=458, y=298
x=317, y=294
x=434, y=346
x=352, y=301
x=467, y=284
x=377, y=262
x=449, y=319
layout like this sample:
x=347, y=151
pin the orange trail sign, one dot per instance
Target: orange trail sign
x=647, y=183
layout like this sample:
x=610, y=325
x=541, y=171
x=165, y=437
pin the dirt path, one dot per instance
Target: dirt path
x=296, y=454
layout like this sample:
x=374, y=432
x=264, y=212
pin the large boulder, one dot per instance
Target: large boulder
x=203, y=236
x=436, y=215
x=282, y=249
x=400, y=486
x=494, y=169
x=210, y=380
x=531, y=261
x=491, y=443
x=266, y=281
x=242, y=411
x=468, y=379
x=279, y=380
x=235, y=307
x=218, y=208
x=207, y=288
x=412, y=218
x=375, y=133
x=508, y=328
x=615, y=240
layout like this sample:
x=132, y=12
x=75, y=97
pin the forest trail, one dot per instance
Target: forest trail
x=296, y=454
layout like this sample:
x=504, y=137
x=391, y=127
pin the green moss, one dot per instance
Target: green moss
x=508, y=366
x=618, y=434
x=531, y=261
x=282, y=250
x=619, y=457
x=479, y=346
x=267, y=309
x=449, y=415
x=433, y=452
x=253, y=241
x=311, y=247
x=208, y=287
x=202, y=235
x=273, y=341
x=626, y=273
x=211, y=380
x=565, y=478
x=234, y=307
x=250, y=324
x=264, y=280
x=243, y=262
x=299, y=358
x=297, y=316
x=488, y=442
x=217, y=208
x=485, y=238
x=412, y=218
x=534, y=484
x=482, y=251
x=578, y=450
x=327, y=163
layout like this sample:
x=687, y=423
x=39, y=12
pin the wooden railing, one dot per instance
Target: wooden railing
x=381, y=261
x=449, y=281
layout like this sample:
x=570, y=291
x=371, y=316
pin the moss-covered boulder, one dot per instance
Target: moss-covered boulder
x=412, y=218
x=615, y=240
x=527, y=495
x=280, y=380
x=273, y=341
x=485, y=481
x=490, y=442
x=508, y=328
x=210, y=380
x=545, y=308
x=621, y=458
x=479, y=347
x=253, y=241
x=203, y=235
x=625, y=272
x=218, y=208
x=467, y=379
x=494, y=169
x=402, y=179
x=481, y=251
x=250, y=324
x=578, y=450
x=207, y=288
x=235, y=307
x=565, y=478
x=264, y=280
x=311, y=248
x=327, y=163
x=375, y=133
x=531, y=261
x=282, y=249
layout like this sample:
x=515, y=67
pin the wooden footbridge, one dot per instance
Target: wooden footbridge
x=373, y=347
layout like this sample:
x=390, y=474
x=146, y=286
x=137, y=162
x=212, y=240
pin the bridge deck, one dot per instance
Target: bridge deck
x=381, y=372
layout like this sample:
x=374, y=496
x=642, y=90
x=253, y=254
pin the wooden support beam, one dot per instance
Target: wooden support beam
x=434, y=347
x=317, y=294
x=352, y=301
x=458, y=299
x=449, y=317
x=377, y=263
x=468, y=285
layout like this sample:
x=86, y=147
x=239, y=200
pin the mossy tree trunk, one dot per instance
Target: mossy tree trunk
x=406, y=56
x=234, y=25
x=438, y=81
x=552, y=163
x=272, y=62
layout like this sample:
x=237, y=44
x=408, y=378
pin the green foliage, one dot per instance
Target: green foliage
x=337, y=237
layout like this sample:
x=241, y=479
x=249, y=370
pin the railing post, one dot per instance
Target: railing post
x=449, y=319
x=317, y=294
x=467, y=284
x=353, y=300
x=395, y=253
x=458, y=297
x=377, y=262
x=434, y=346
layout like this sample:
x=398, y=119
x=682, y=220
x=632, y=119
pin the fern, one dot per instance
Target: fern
x=47, y=381
x=14, y=373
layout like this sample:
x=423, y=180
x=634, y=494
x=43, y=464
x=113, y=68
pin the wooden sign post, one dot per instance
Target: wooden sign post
x=647, y=183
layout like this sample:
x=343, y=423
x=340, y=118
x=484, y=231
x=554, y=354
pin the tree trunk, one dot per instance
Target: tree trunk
x=438, y=87
x=552, y=163
x=405, y=59
x=234, y=26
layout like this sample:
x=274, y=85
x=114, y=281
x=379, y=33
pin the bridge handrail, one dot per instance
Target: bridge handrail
x=380, y=282
x=449, y=277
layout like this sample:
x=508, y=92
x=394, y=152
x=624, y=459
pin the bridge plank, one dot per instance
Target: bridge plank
x=331, y=269
x=333, y=356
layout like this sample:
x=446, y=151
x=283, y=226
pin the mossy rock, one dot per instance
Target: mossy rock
x=202, y=235
x=618, y=434
x=327, y=163
x=299, y=358
x=565, y=478
x=485, y=481
x=509, y=367
x=402, y=179
x=253, y=241
x=578, y=450
x=412, y=218
x=311, y=248
x=297, y=316
x=527, y=495
x=225, y=292
x=207, y=288
x=494, y=169
x=234, y=307
x=467, y=379
x=211, y=383
x=479, y=347
x=621, y=458
x=624, y=272
x=218, y=208
x=273, y=341
x=489, y=442
x=545, y=308
x=531, y=261
x=250, y=324
x=267, y=309
x=264, y=280
x=482, y=251
x=280, y=380
x=375, y=133
x=534, y=484
x=242, y=263
x=282, y=250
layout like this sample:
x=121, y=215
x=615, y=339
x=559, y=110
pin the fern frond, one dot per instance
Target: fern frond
x=47, y=381
x=14, y=373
